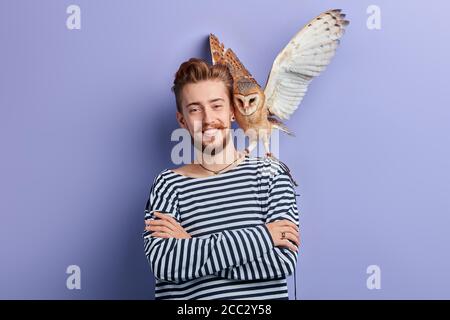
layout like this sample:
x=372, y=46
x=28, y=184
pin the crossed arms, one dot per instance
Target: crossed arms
x=254, y=252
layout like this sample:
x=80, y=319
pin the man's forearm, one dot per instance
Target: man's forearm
x=178, y=260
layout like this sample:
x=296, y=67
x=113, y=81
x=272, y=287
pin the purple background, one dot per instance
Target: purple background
x=86, y=117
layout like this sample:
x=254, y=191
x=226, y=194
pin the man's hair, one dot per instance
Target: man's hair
x=195, y=70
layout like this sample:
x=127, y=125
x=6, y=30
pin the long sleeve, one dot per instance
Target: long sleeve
x=278, y=262
x=178, y=260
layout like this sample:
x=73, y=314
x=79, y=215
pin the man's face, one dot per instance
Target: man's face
x=206, y=114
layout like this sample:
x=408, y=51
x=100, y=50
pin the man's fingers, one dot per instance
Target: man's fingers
x=165, y=223
x=289, y=245
x=168, y=218
x=285, y=223
x=289, y=223
x=291, y=230
x=165, y=216
x=292, y=237
x=289, y=234
x=160, y=235
x=160, y=229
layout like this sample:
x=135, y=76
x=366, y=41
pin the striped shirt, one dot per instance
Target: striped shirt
x=231, y=254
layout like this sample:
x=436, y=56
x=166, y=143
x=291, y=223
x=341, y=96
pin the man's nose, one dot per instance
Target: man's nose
x=208, y=116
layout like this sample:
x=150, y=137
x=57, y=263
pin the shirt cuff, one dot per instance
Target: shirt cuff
x=267, y=236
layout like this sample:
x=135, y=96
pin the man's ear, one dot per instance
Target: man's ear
x=181, y=120
x=233, y=110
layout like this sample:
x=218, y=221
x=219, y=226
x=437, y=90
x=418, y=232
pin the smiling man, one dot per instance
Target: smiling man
x=225, y=228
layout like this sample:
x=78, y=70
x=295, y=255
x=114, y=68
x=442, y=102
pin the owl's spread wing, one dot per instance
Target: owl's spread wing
x=305, y=56
x=227, y=57
x=217, y=49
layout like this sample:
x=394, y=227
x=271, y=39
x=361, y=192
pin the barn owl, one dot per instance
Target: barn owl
x=305, y=56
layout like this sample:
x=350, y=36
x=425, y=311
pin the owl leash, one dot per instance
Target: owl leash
x=287, y=170
x=295, y=283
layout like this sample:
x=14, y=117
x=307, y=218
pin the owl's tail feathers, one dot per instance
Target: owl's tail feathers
x=280, y=125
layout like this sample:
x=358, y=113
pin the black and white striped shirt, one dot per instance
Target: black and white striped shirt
x=231, y=254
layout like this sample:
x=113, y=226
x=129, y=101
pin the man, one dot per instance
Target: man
x=226, y=228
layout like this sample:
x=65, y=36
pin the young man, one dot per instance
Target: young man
x=226, y=228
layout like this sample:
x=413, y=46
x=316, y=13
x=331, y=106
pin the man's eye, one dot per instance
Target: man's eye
x=217, y=106
x=193, y=110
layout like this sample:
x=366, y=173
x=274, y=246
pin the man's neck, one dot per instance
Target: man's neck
x=219, y=159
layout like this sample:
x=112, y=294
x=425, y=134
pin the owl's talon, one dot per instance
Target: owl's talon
x=270, y=155
x=246, y=151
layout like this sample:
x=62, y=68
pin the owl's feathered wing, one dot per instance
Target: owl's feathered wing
x=229, y=58
x=217, y=49
x=305, y=56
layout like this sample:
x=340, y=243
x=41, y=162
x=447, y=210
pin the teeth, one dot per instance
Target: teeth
x=210, y=132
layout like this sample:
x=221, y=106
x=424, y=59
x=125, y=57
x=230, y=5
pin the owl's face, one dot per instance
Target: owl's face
x=248, y=97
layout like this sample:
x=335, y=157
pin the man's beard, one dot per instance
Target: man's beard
x=209, y=150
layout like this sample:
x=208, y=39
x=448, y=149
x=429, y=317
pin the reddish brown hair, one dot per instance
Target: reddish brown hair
x=195, y=70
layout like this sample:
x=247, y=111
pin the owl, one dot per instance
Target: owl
x=307, y=54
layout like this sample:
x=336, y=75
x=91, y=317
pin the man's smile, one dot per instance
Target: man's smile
x=210, y=132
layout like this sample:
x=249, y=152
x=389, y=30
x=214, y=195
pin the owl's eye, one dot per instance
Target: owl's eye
x=252, y=100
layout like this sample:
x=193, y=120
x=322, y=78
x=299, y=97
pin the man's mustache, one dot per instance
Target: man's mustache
x=219, y=127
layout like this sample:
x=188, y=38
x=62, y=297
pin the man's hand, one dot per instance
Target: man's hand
x=166, y=227
x=290, y=230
